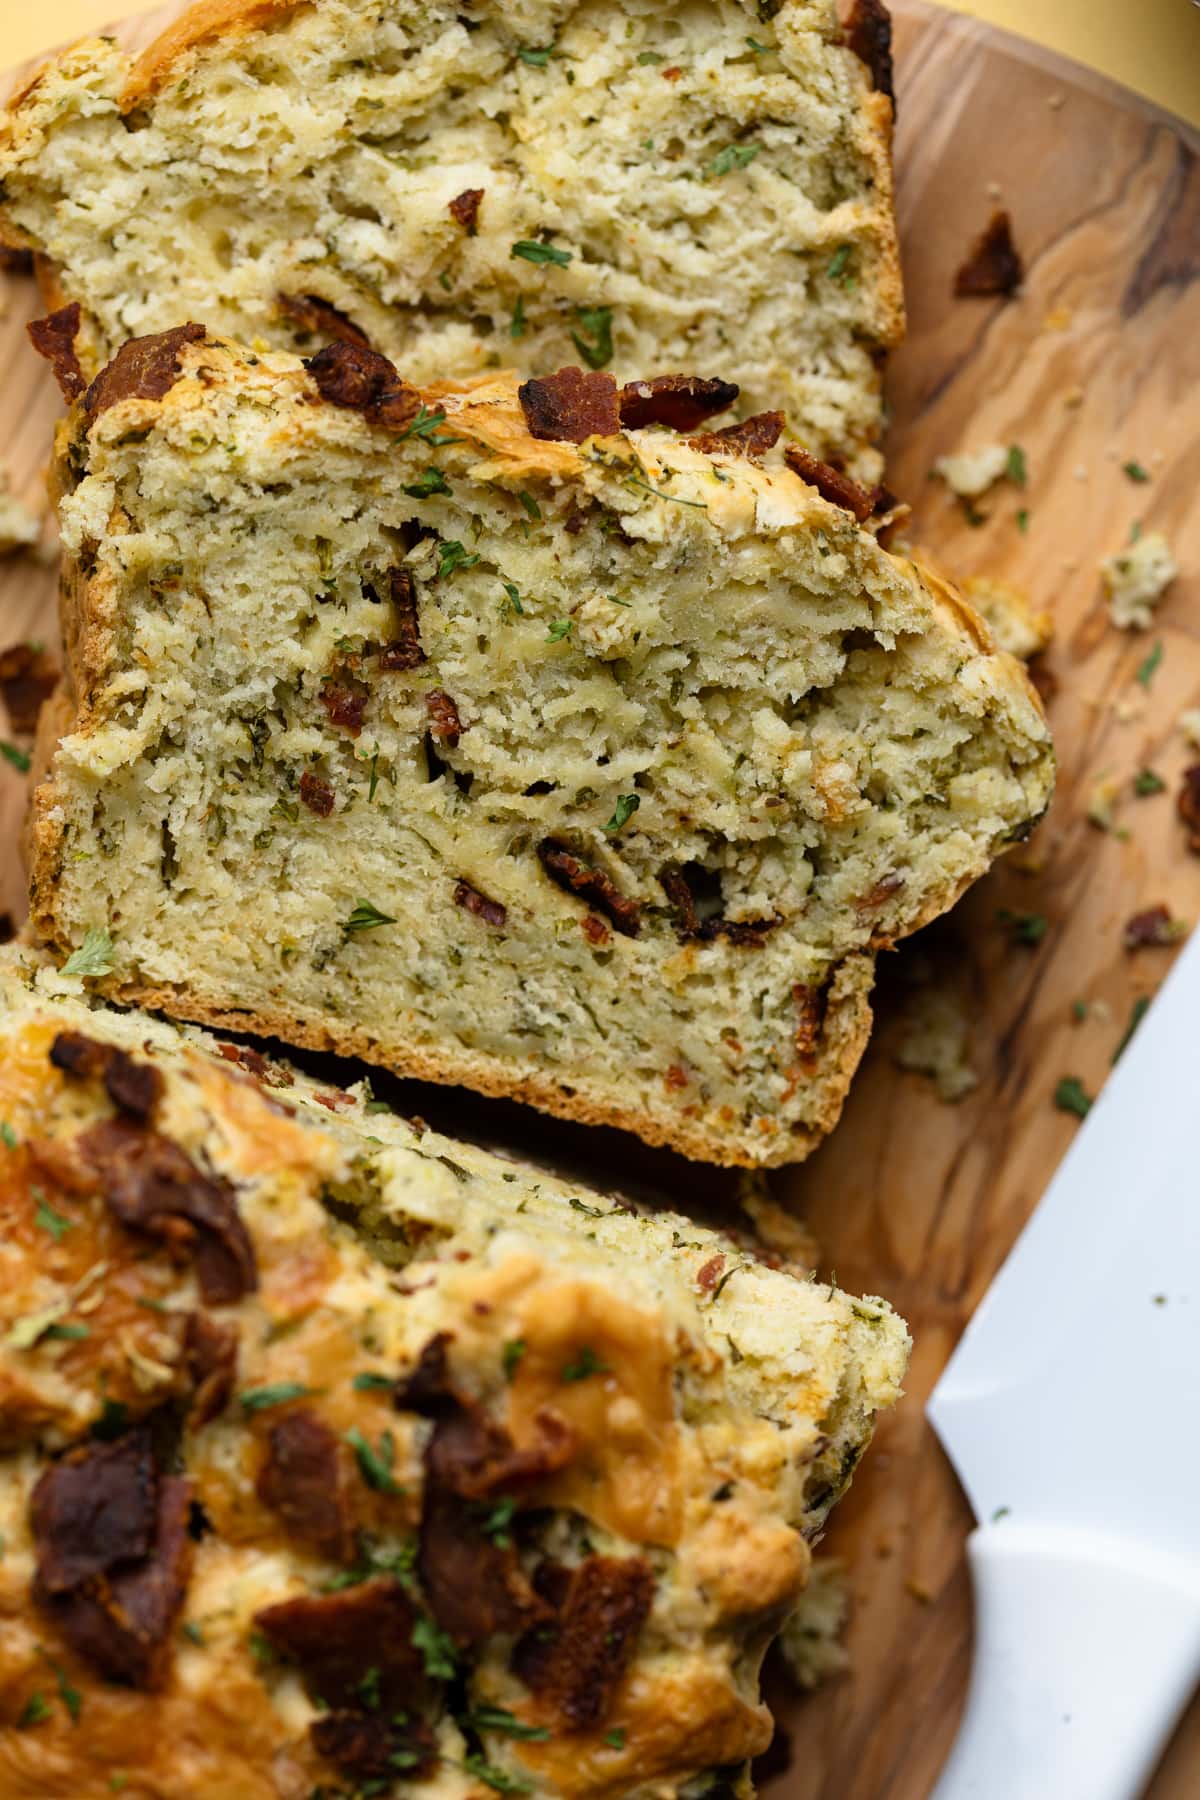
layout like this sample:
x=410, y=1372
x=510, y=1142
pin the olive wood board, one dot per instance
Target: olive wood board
x=1095, y=364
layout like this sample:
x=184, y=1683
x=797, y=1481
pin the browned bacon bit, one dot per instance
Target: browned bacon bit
x=673, y=73
x=676, y=1078
x=884, y=888
x=444, y=722
x=709, y=1273
x=308, y=1481
x=810, y=1018
x=1152, y=929
x=54, y=338
x=345, y=705
x=256, y=1064
x=994, y=265
x=571, y=406
x=753, y=437
x=134, y=1087
x=829, y=482
x=1188, y=805
x=151, y=1185
x=143, y=369
x=474, y=1584
x=464, y=209
x=316, y=793
x=869, y=35
x=337, y=1639
x=404, y=652
x=357, y=377
x=308, y=312
x=690, y=926
x=576, y=1664
x=595, y=930
x=679, y=402
x=427, y=1388
x=94, y=1508
x=592, y=885
x=492, y=912
x=473, y=1458
x=27, y=679
x=369, y=1747
x=210, y=1358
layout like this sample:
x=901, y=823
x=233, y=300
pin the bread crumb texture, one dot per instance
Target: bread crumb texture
x=590, y=774
x=1137, y=578
x=652, y=188
x=495, y=1483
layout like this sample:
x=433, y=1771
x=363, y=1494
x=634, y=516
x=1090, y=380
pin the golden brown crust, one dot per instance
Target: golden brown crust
x=207, y=20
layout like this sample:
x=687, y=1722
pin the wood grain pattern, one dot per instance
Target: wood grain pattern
x=1097, y=362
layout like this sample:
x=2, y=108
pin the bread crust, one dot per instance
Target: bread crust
x=200, y=24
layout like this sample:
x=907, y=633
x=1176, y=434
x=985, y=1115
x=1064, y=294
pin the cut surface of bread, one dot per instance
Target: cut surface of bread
x=590, y=774
x=703, y=186
x=340, y=1457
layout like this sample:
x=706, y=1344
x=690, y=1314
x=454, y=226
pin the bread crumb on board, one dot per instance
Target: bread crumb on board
x=811, y=1640
x=1011, y=617
x=935, y=1041
x=1136, y=579
x=969, y=473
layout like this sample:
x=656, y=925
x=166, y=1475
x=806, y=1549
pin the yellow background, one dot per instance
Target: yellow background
x=1150, y=45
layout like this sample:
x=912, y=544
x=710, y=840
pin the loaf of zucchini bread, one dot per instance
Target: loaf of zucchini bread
x=465, y=184
x=341, y=1458
x=535, y=739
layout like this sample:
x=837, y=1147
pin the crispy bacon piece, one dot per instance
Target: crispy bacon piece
x=145, y=368
x=595, y=930
x=345, y=705
x=444, y=722
x=210, y=1357
x=1152, y=929
x=994, y=264
x=475, y=1585
x=133, y=1086
x=464, y=209
x=338, y=1639
x=830, y=483
x=591, y=885
x=306, y=1479
x=810, y=1019
x=690, y=927
x=94, y=1508
x=404, y=652
x=709, y=1273
x=571, y=405
x=357, y=377
x=752, y=437
x=54, y=338
x=1188, y=804
x=256, y=1064
x=371, y=1747
x=680, y=402
x=492, y=912
x=308, y=312
x=27, y=679
x=427, y=1388
x=576, y=1665
x=316, y=793
x=869, y=34
x=151, y=1185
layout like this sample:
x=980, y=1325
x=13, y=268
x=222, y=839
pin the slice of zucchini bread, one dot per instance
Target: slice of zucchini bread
x=339, y=1457
x=467, y=183
x=510, y=738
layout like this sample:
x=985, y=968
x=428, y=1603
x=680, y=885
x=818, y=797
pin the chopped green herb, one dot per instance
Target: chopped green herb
x=1145, y=674
x=1001, y=1512
x=1079, y=1011
x=444, y=280
x=368, y=1689
x=661, y=493
x=586, y=1364
x=511, y=1355
x=425, y=426
x=68, y=1333
x=8, y=1136
x=759, y=49
x=370, y=1379
x=531, y=251
x=366, y=917
x=436, y=1648
x=529, y=503
x=36, y=1711
x=499, y=1780
x=262, y=1649
x=838, y=261
x=20, y=759
x=373, y=777
x=615, y=1739
x=1024, y=928
x=497, y=1522
x=596, y=321
x=48, y=1220
x=623, y=811
x=559, y=629
x=1135, y=531
x=535, y=59
x=192, y=1632
x=727, y=1276
x=118, y=1783
x=516, y=324
x=1023, y=519
x=734, y=156
x=375, y=1465
x=1135, y=471
x=278, y=1394
x=1147, y=782
x=431, y=482
x=70, y=1696
x=1141, y=1007
x=1016, y=468
x=453, y=555
x=93, y=957
x=578, y=1205
x=646, y=57
x=513, y=603
x=497, y=1718
x=1070, y=1096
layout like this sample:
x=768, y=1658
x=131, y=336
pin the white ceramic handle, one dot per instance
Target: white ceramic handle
x=1086, y=1651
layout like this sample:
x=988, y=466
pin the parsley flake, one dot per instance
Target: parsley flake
x=436, y=1648
x=529, y=503
x=647, y=57
x=615, y=1739
x=431, y=482
x=20, y=759
x=586, y=1364
x=838, y=261
x=497, y=1521
x=1147, y=782
x=375, y=1465
x=499, y=1780
x=48, y=1220
x=1135, y=471
x=93, y=957
x=533, y=58
x=70, y=1696
x=1023, y=519
x=1145, y=674
x=278, y=1394
x=453, y=555
x=734, y=156
x=192, y=1632
x=1070, y=1096
x=596, y=321
x=1024, y=928
x=559, y=629
x=370, y=1380
x=366, y=917
x=498, y=1718
x=1016, y=469
x=8, y=1136
x=36, y=1711
x=513, y=602
x=623, y=811
x=1141, y=1007
x=531, y=251
x=759, y=49
x=425, y=426
x=511, y=1355
x=516, y=324
x=68, y=1334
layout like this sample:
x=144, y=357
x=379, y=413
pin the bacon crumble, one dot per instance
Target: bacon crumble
x=308, y=312
x=591, y=885
x=444, y=722
x=994, y=264
x=492, y=912
x=464, y=209
x=345, y=705
x=210, y=1354
x=752, y=437
x=337, y=1639
x=134, y=1087
x=575, y=1665
x=145, y=368
x=810, y=1019
x=404, y=651
x=54, y=338
x=830, y=483
x=690, y=927
x=370, y=1747
x=306, y=1480
x=869, y=34
x=709, y=1273
x=571, y=405
x=360, y=379
x=1152, y=929
x=679, y=402
x=316, y=793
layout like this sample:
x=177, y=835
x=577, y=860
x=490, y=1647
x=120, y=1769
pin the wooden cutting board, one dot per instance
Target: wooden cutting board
x=1095, y=365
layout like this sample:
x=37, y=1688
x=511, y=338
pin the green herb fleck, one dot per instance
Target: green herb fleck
x=431, y=482
x=586, y=1364
x=578, y=1205
x=529, y=503
x=623, y=811
x=375, y=1465
x=36, y=1711
x=369, y=1380
x=734, y=156
x=1001, y=1512
x=511, y=1355
x=118, y=1783
x=1135, y=531
x=69, y=1334
x=1135, y=471
x=8, y=1136
x=559, y=629
x=727, y=1276
x=535, y=59
x=1023, y=519
x=1141, y=1007
x=1145, y=674
x=499, y=1780
x=529, y=250
x=497, y=1523
x=838, y=261
x=513, y=602
x=48, y=1220
x=278, y=1394
x=615, y=1739
x=192, y=1632
x=436, y=1648
x=1079, y=1011
x=425, y=426
x=497, y=1718
x=70, y=1696
x=516, y=325
x=262, y=1649
x=759, y=49
x=93, y=957
x=20, y=759
x=1147, y=782
x=1024, y=928
x=647, y=57
x=366, y=917
x=453, y=555
x=596, y=321
x=1016, y=468
x=368, y=1688
x=1070, y=1096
